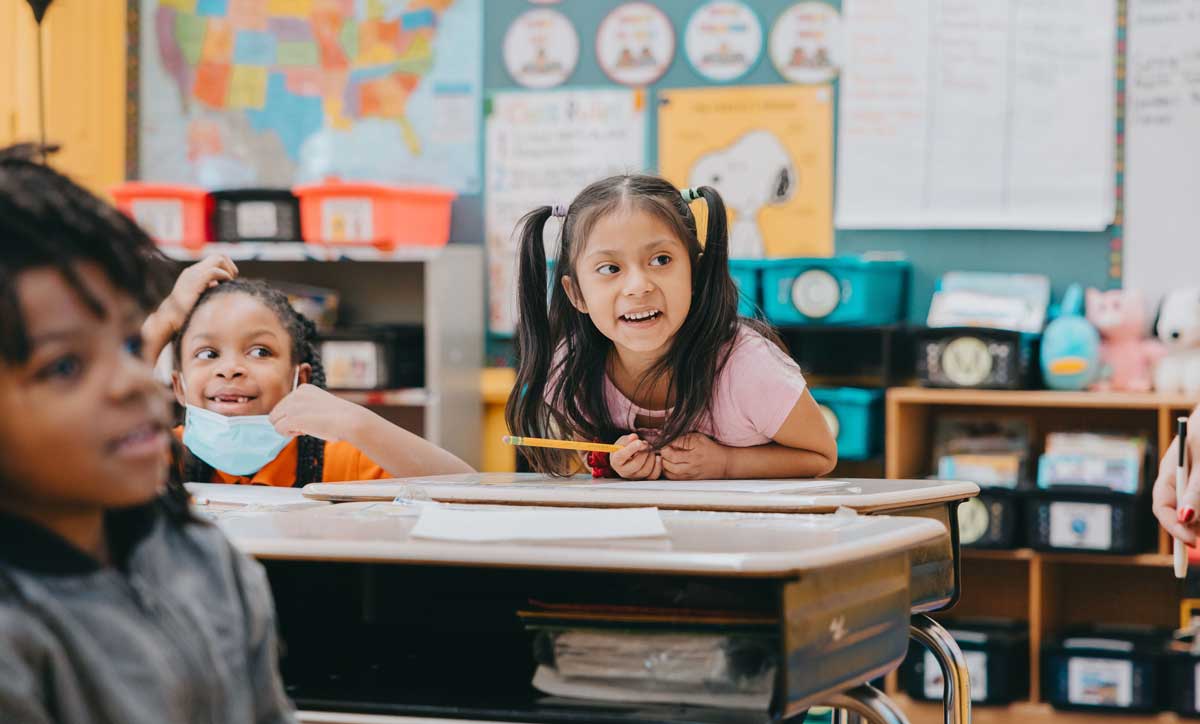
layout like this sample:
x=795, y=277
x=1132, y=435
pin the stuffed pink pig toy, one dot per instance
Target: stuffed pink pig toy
x=1127, y=355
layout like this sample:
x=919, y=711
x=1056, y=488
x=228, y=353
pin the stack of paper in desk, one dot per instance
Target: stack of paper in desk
x=708, y=658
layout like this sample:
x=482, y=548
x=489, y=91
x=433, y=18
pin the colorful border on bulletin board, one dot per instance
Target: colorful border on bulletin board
x=133, y=70
x=1116, y=247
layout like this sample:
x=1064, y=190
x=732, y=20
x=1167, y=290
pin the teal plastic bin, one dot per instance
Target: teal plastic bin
x=856, y=417
x=849, y=290
x=746, y=275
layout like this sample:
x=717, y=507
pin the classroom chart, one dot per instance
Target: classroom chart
x=542, y=149
x=978, y=114
x=1162, y=147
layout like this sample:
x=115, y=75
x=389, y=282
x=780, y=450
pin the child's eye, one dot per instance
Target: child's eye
x=134, y=344
x=608, y=269
x=65, y=367
x=660, y=260
x=206, y=353
x=260, y=352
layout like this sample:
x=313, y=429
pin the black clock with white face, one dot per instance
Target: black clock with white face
x=973, y=358
x=990, y=520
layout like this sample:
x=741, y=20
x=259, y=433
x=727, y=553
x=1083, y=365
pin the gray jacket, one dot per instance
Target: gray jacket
x=180, y=629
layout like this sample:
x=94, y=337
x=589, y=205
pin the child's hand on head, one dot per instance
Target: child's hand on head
x=192, y=282
x=636, y=460
x=310, y=410
x=162, y=325
x=695, y=457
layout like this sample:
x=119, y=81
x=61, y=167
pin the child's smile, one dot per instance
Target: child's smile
x=634, y=281
x=235, y=358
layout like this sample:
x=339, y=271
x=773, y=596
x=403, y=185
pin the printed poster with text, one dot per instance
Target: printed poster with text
x=543, y=147
x=768, y=150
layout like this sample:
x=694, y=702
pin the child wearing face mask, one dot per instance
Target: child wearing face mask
x=642, y=345
x=249, y=376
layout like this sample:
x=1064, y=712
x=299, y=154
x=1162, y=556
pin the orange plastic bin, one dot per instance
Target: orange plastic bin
x=171, y=214
x=377, y=214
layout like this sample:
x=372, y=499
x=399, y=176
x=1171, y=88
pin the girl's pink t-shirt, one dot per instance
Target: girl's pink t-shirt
x=752, y=397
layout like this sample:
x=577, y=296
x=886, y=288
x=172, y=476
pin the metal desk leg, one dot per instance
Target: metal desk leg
x=954, y=667
x=869, y=703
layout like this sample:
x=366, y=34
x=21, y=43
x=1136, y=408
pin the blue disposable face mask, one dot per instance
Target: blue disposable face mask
x=235, y=445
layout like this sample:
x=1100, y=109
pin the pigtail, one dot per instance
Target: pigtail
x=310, y=451
x=529, y=412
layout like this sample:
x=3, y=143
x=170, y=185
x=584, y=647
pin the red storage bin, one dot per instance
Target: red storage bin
x=171, y=214
x=367, y=213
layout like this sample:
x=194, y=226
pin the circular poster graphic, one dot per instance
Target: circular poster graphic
x=805, y=43
x=723, y=40
x=635, y=44
x=541, y=49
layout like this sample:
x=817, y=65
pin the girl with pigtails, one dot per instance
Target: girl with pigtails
x=642, y=345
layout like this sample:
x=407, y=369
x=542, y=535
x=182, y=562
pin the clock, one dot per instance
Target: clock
x=816, y=293
x=972, y=357
x=972, y=521
x=990, y=520
x=967, y=361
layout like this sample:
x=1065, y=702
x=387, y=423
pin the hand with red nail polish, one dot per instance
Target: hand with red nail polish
x=1178, y=517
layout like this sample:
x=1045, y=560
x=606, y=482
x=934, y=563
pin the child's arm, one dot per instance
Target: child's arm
x=161, y=326
x=313, y=411
x=803, y=447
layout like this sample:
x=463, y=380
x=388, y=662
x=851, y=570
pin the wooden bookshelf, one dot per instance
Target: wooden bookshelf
x=1048, y=590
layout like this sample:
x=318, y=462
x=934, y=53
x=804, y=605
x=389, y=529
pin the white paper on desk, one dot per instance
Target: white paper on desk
x=458, y=524
x=726, y=486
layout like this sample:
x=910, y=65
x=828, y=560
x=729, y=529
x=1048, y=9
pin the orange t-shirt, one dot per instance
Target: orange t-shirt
x=343, y=463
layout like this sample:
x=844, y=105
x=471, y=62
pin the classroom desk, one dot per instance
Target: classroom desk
x=376, y=622
x=935, y=567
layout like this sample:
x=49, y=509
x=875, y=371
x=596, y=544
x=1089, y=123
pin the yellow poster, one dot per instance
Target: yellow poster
x=768, y=150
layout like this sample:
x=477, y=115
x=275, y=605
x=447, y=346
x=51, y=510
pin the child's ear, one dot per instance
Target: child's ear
x=305, y=374
x=177, y=388
x=573, y=294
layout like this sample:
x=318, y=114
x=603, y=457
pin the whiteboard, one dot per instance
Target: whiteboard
x=978, y=114
x=1162, y=147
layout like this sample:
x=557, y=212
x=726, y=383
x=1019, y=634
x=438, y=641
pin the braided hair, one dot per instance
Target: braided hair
x=310, y=460
x=49, y=221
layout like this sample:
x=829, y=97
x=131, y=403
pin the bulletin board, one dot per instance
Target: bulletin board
x=1085, y=257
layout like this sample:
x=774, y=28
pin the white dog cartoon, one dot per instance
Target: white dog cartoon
x=752, y=172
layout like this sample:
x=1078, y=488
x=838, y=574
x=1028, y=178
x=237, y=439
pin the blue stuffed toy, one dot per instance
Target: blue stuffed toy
x=1070, y=346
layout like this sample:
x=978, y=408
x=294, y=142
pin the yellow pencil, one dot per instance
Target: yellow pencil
x=559, y=444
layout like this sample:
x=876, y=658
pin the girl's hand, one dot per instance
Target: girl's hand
x=310, y=410
x=1180, y=517
x=696, y=457
x=191, y=283
x=636, y=461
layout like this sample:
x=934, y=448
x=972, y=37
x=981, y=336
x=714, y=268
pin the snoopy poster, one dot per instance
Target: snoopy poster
x=768, y=150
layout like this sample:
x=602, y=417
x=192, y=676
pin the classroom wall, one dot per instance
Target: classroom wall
x=84, y=55
x=85, y=73
x=1066, y=256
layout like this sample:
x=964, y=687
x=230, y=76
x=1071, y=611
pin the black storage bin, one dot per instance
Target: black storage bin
x=976, y=358
x=997, y=654
x=1105, y=669
x=256, y=215
x=374, y=357
x=1087, y=520
x=1183, y=679
x=993, y=520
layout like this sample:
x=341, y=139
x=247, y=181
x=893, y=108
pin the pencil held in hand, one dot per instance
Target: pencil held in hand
x=559, y=444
